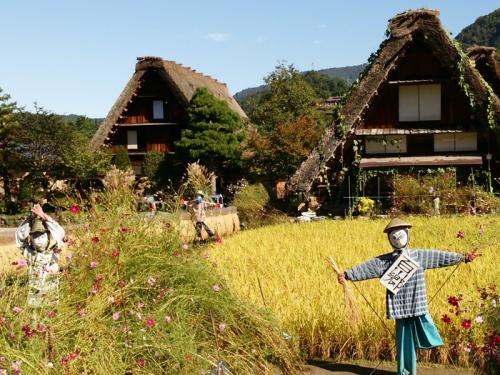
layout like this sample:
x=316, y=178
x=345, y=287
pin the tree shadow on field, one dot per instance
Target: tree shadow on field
x=346, y=368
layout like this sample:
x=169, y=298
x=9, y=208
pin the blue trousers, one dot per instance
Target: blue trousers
x=414, y=333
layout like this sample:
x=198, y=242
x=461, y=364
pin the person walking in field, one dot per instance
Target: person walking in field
x=402, y=273
x=198, y=207
x=40, y=239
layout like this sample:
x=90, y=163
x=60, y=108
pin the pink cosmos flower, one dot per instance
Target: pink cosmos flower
x=218, y=240
x=111, y=299
x=460, y=234
x=151, y=280
x=17, y=309
x=99, y=277
x=466, y=324
x=115, y=254
x=150, y=323
x=185, y=246
x=95, y=239
x=74, y=355
x=93, y=264
x=116, y=316
x=139, y=316
x=446, y=319
x=124, y=229
x=20, y=263
x=140, y=305
x=216, y=287
x=176, y=253
x=74, y=209
x=479, y=319
x=140, y=362
x=82, y=313
x=168, y=318
x=222, y=327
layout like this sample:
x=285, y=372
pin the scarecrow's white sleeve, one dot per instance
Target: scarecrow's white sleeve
x=56, y=232
x=22, y=234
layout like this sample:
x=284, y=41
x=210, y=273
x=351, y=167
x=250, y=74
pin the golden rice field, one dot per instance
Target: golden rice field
x=299, y=287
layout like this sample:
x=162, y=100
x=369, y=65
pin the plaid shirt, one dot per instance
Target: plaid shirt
x=411, y=300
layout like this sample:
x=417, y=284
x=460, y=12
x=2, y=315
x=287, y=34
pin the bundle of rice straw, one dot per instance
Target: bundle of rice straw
x=350, y=299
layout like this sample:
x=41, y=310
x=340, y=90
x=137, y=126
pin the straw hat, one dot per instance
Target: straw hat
x=37, y=226
x=396, y=223
x=199, y=192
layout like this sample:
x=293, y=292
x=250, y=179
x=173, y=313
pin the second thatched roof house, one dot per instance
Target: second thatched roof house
x=420, y=103
x=152, y=108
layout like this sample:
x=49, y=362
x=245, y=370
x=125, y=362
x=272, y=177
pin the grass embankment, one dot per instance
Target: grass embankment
x=302, y=291
x=134, y=300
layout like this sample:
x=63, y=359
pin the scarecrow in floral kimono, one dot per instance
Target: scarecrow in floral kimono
x=402, y=272
x=40, y=239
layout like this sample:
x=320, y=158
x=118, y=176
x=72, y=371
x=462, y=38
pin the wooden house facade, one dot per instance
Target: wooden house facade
x=151, y=111
x=420, y=103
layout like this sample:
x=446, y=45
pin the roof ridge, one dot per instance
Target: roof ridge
x=196, y=72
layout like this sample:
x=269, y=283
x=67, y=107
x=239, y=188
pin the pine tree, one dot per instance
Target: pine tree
x=214, y=133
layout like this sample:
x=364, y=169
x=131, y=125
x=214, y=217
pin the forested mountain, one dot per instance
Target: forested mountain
x=336, y=81
x=485, y=31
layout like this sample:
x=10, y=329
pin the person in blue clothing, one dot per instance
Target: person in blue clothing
x=415, y=328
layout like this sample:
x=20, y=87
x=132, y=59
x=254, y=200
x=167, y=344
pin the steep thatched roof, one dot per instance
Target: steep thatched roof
x=487, y=63
x=403, y=28
x=183, y=80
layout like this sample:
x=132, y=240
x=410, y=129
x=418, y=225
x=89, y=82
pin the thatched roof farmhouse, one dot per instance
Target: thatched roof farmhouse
x=421, y=102
x=151, y=111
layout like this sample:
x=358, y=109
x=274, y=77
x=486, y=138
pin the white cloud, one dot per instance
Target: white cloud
x=217, y=37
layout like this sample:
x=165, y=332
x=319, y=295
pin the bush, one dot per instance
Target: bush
x=134, y=300
x=151, y=165
x=365, y=205
x=121, y=159
x=252, y=202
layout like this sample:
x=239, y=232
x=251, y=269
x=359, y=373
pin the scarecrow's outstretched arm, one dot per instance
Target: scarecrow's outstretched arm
x=370, y=269
x=437, y=258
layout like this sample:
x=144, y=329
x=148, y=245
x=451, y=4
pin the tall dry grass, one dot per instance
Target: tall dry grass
x=302, y=291
x=134, y=300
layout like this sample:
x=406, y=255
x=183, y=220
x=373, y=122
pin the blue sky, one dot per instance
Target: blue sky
x=76, y=56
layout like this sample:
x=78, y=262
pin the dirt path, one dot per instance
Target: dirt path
x=325, y=368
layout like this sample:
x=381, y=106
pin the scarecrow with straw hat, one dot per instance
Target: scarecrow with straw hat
x=40, y=239
x=402, y=273
x=198, y=208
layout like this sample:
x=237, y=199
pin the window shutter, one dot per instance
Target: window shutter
x=466, y=141
x=430, y=102
x=132, y=140
x=158, y=109
x=408, y=103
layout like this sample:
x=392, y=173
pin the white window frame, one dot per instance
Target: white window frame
x=420, y=102
x=132, y=143
x=386, y=144
x=158, y=110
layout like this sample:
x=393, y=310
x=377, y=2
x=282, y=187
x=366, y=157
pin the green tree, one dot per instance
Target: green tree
x=84, y=125
x=289, y=97
x=214, y=133
x=121, y=159
x=82, y=163
x=8, y=127
x=325, y=86
x=152, y=166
